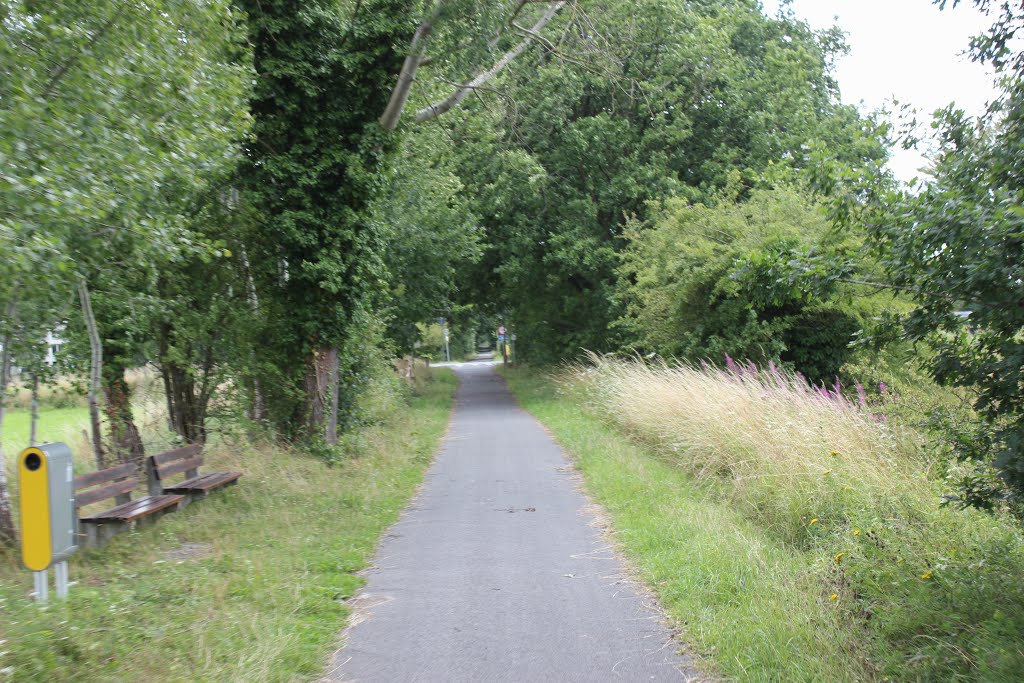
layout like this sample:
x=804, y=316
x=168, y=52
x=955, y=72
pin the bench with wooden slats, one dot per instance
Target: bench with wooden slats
x=185, y=461
x=117, y=483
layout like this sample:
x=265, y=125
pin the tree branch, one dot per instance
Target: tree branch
x=414, y=60
x=438, y=108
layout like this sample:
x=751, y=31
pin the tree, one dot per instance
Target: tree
x=638, y=102
x=762, y=279
x=432, y=240
x=327, y=108
x=111, y=115
x=955, y=243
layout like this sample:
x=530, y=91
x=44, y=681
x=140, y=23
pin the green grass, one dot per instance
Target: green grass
x=929, y=595
x=742, y=600
x=247, y=585
x=55, y=424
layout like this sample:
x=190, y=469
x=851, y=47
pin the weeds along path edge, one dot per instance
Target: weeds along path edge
x=248, y=585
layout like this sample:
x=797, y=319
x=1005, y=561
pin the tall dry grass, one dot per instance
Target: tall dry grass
x=838, y=508
x=791, y=452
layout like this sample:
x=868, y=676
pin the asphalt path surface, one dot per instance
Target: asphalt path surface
x=498, y=570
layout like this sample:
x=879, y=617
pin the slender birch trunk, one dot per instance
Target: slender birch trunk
x=259, y=411
x=95, y=374
x=8, y=534
x=34, y=411
x=334, y=394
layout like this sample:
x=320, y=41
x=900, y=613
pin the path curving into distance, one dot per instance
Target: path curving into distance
x=496, y=571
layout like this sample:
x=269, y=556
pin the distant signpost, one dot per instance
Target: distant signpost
x=502, y=331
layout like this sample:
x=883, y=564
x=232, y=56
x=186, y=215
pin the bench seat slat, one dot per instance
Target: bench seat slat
x=205, y=483
x=177, y=454
x=85, y=480
x=103, y=492
x=133, y=510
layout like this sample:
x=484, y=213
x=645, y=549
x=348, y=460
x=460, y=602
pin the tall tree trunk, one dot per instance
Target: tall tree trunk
x=320, y=366
x=125, y=440
x=96, y=368
x=417, y=54
x=8, y=533
x=187, y=406
x=173, y=419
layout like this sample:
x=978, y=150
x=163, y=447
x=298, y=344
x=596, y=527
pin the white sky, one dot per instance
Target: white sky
x=907, y=50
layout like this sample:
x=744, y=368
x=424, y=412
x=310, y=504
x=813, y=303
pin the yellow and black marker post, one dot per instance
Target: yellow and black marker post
x=47, y=506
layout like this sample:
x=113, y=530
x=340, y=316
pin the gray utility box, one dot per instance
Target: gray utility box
x=49, y=523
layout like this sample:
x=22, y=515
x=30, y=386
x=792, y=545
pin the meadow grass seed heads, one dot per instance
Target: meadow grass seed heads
x=762, y=429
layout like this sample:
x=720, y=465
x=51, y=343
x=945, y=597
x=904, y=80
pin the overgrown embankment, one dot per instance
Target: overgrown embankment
x=791, y=533
x=247, y=585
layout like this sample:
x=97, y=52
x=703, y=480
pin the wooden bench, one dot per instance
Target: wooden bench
x=117, y=483
x=185, y=461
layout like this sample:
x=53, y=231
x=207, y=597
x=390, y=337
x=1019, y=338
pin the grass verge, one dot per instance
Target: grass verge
x=245, y=586
x=747, y=567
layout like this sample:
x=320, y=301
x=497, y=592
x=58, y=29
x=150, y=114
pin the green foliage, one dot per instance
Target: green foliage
x=817, y=342
x=662, y=98
x=955, y=243
x=114, y=118
x=317, y=162
x=110, y=113
x=431, y=237
x=758, y=279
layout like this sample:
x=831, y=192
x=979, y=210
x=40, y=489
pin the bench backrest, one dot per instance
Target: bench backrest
x=115, y=482
x=185, y=460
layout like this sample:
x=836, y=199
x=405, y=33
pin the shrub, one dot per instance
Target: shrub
x=761, y=279
x=818, y=342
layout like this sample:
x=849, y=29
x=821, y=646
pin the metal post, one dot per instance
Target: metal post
x=60, y=576
x=42, y=586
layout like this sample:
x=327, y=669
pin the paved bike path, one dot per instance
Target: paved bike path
x=496, y=572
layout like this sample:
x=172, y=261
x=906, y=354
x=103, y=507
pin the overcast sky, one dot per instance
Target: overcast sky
x=907, y=50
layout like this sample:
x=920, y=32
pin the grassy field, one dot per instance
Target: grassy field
x=55, y=424
x=248, y=585
x=789, y=539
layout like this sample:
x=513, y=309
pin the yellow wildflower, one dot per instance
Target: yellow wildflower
x=927, y=575
x=856, y=532
x=834, y=596
x=813, y=521
x=839, y=557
